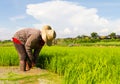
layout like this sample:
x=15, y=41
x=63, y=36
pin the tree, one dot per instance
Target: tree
x=78, y=36
x=94, y=35
x=112, y=35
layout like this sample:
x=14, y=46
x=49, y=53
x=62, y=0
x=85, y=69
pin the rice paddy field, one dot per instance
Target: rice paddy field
x=77, y=65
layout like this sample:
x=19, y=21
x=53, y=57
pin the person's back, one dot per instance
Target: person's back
x=24, y=34
x=27, y=39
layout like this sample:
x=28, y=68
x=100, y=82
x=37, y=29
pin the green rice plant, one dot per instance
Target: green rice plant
x=77, y=65
x=8, y=56
x=85, y=65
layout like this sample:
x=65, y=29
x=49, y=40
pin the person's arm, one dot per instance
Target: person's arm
x=36, y=53
x=28, y=48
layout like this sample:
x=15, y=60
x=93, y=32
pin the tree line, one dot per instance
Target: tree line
x=94, y=35
x=93, y=38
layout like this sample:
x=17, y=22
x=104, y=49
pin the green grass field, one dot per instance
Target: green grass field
x=77, y=65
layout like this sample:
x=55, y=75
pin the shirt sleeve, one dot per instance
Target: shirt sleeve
x=36, y=52
x=28, y=48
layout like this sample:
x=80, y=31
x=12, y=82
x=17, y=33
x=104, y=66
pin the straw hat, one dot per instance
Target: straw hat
x=48, y=34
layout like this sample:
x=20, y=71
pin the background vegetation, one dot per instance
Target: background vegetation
x=93, y=40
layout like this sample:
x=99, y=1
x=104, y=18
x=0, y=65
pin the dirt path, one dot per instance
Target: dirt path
x=12, y=75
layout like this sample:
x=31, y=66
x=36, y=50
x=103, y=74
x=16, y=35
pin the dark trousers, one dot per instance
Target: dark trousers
x=25, y=63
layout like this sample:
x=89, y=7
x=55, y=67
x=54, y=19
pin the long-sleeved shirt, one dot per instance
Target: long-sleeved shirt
x=31, y=38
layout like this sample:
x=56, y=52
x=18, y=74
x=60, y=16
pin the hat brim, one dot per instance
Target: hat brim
x=44, y=37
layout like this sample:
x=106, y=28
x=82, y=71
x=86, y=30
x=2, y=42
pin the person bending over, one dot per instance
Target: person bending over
x=29, y=42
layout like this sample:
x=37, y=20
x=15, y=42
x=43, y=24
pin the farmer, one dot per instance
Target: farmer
x=29, y=42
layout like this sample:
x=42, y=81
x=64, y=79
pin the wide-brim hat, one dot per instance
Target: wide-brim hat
x=48, y=34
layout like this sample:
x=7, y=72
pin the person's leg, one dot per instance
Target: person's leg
x=22, y=55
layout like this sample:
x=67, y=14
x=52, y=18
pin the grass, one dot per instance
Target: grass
x=101, y=44
x=77, y=65
x=34, y=76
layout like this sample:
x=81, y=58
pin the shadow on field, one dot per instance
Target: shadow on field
x=43, y=61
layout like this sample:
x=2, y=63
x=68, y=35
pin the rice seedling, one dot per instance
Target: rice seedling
x=8, y=56
x=77, y=65
x=85, y=65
